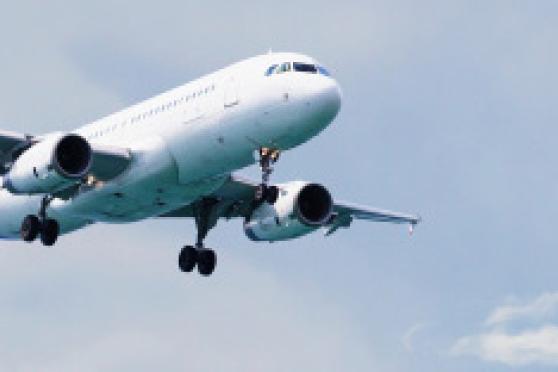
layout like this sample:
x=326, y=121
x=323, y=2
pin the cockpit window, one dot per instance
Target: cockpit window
x=270, y=70
x=305, y=67
x=308, y=68
x=285, y=67
x=323, y=71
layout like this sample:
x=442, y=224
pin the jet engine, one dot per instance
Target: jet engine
x=300, y=208
x=51, y=165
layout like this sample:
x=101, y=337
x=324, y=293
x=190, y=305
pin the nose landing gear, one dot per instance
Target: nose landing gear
x=34, y=226
x=264, y=192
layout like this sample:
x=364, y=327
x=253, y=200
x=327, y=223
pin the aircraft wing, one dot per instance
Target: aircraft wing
x=234, y=199
x=10, y=142
x=346, y=212
x=108, y=161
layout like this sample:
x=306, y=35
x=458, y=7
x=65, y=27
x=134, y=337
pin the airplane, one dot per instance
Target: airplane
x=175, y=156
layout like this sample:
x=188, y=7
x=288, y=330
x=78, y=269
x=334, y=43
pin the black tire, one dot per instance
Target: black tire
x=207, y=261
x=49, y=232
x=187, y=259
x=30, y=228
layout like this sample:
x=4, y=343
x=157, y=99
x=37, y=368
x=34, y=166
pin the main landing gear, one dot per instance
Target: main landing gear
x=206, y=216
x=208, y=210
x=264, y=192
x=34, y=226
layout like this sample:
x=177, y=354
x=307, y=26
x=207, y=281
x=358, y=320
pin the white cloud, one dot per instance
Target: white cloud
x=538, y=346
x=544, y=305
x=408, y=337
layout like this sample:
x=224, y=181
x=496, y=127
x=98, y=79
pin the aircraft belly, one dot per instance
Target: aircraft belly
x=141, y=200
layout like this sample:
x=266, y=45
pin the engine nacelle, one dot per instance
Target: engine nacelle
x=300, y=208
x=50, y=165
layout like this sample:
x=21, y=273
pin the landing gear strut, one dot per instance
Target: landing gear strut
x=206, y=215
x=264, y=192
x=40, y=225
x=208, y=210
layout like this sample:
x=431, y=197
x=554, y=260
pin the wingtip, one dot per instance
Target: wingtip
x=413, y=224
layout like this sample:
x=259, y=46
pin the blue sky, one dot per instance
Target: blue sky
x=449, y=110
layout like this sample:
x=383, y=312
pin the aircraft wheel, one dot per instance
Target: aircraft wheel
x=206, y=261
x=187, y=259
x=30, y=228
x=49, y=232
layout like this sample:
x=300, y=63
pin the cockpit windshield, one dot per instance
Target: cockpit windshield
x=308, y=68
x=305, y=67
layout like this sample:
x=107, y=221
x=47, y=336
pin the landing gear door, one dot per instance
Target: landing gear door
x=231, y=93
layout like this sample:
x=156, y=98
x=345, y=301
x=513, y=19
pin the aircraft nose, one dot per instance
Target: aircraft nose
x=327, y=98
x=332, y=96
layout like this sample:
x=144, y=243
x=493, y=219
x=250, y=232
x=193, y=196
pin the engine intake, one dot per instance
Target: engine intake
x=300, y=208
x=50, y=165
x=314, y=205
x=72, y=156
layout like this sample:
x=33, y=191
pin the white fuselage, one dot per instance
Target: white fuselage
x=185, y=142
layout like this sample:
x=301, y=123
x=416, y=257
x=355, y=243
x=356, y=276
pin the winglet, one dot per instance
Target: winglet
x=413, y=225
